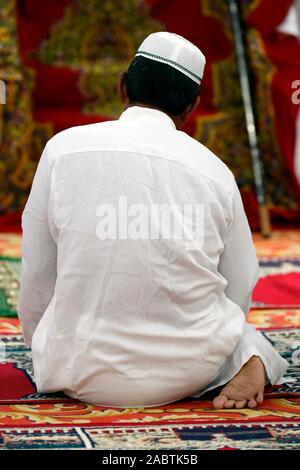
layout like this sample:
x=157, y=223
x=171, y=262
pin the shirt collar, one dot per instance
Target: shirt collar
x=147, y=115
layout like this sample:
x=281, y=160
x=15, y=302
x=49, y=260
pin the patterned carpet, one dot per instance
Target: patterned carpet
x=32, y=421
x=10, y=270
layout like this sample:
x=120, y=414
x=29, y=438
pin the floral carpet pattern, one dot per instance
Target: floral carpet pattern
x=10, y=272
x=29, y=420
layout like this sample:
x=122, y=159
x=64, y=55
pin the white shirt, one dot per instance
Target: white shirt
x=135, y=322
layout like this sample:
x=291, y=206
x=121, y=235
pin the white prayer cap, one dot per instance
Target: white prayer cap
x=176, y=51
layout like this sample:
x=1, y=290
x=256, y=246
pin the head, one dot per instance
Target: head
x=155, y=79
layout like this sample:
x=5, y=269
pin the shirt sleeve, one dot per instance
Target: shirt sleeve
x=238, y=262
x=239, y=266
x=39, y=254
x=251, y=343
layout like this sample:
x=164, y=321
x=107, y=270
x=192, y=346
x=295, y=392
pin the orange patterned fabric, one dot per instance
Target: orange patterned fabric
x=274, y=318
x=192, y=412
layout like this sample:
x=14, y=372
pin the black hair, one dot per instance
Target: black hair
x=159, y=85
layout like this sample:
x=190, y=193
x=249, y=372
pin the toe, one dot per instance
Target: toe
x=219, y=401
x=260, y=398
x=240, y=404
x=252, y=404
x=229, y=404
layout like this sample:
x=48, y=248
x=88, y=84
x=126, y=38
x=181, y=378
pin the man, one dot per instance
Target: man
x=120, y=314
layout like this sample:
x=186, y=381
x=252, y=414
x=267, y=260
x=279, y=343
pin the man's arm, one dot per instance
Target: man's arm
x=238, y=263
x=38, y=252
x=239, y=266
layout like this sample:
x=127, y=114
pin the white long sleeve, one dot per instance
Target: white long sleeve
x=238, y=262
x=38, y=253
x=253, y=343
x=239, y=266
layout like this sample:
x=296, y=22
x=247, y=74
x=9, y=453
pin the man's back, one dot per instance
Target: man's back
x=138, y=314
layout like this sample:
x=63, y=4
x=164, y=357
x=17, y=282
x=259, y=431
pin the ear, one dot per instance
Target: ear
x=122, y=88
x=183, y=118
x=192, y=107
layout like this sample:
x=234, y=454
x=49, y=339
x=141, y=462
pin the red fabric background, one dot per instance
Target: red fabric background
x=284, y=52
x=14, y=383
x=57, y=98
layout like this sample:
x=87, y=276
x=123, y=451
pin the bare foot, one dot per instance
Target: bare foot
x=246, y=389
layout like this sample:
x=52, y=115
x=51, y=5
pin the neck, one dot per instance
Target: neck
x=176, y=119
